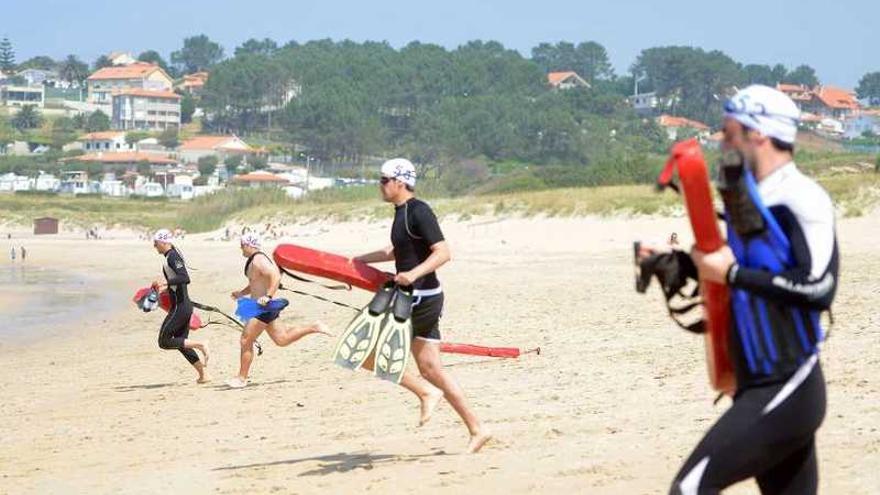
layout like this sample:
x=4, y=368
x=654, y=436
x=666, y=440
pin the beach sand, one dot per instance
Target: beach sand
x=616, y=401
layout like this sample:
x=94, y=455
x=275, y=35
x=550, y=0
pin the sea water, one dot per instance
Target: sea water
x=37, y=302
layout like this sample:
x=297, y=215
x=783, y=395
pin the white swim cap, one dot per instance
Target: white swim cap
x=766, y=110
x=400, y=169
x=251, y=239
x=163, y=235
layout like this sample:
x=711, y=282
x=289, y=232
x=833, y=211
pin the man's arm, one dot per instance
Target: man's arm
x=440, y=255
x=384, y=254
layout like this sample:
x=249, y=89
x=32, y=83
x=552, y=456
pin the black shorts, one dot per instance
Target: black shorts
x=269, y=316
x=426, y=315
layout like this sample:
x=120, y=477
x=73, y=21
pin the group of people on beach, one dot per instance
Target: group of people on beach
x=781, y=268
x=21, y=249
x=418, y=249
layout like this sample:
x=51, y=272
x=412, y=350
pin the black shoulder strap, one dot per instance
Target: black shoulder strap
x=251, y=259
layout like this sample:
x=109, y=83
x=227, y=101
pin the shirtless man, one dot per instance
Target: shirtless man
x=264, y=279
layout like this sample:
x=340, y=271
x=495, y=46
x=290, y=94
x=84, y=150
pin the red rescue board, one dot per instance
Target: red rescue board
x=693, y=174
x=329, y=265
x=195, y=322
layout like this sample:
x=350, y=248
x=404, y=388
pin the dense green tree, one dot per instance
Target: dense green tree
x=63, y=132
x=207, y=165
x=98, y=121
x=7, y=56
x=254, y=46
x=28, y=117
x=802, y=74
x=41, y=62
x=169, y=137
x=73, y=70
x=101, y=62
x=187, y=108
x=198, y=53
x=153, y=57
x=869, y=87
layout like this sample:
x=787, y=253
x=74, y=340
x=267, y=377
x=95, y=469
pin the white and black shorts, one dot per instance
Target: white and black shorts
x=426, y=313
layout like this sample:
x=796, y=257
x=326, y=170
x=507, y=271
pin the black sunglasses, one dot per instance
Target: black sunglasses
x=385, y=180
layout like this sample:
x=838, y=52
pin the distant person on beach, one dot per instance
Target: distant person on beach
x=174, y=333
x=23, y=254
x=12, y=253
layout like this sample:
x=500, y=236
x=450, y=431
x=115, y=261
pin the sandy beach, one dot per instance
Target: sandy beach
x=613, y=405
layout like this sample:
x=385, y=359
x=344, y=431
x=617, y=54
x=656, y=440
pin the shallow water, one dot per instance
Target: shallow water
x=37, y=302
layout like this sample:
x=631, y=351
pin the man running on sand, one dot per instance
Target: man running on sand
x=418, y=249
x=264, y=279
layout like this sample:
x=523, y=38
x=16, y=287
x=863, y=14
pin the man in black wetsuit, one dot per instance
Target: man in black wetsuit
x=782, y=271
x=175, y=329
x=418, y=249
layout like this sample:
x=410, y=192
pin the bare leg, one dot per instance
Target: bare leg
x=427, y=356
x=428, y=396
x=200, y=368
x=252, y=330
x=283, y=337
x=199, y=346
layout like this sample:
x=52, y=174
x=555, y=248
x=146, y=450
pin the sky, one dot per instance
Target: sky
x=839, y=38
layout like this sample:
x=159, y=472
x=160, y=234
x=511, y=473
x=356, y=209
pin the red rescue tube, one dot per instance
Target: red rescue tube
x=478, y=350
x=697, y=192
x=329, y=265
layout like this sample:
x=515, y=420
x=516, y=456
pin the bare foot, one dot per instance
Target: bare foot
x=477, y=441
x=429, y=403
x=321, y=328
x=203, y=379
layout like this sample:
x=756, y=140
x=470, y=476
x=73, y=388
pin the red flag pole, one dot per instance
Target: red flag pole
x=478, y=350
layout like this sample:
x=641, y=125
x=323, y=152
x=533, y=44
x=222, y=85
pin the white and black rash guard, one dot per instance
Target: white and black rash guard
x=805, y=213
x=176, y=276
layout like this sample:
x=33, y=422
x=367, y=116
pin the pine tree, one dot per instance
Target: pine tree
x=7, y=56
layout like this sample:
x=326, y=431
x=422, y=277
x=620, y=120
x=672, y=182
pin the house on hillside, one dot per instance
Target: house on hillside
x=834, y=102
x=857, y=127
x=38, y=77
x=220, y=146
x=19, y=96
x=109, y=141
x=139, y=75
x=260, y=179
x=145, y=109
x=566, y=80
x=644, y=104
x=193, y=84
x=801, y=95
x=677, y=127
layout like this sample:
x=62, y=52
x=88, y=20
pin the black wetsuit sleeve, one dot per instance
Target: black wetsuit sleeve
x=424, y=225
x=795, y=285
x=178, y=268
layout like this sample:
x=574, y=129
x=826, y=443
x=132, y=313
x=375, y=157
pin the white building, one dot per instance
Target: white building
x=139, y=75
x=19, y=96
x=11, y=182
x=45, y=182
x=145, y=109
x=104, y=141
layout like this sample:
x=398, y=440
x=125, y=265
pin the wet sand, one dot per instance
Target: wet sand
x=615, y=403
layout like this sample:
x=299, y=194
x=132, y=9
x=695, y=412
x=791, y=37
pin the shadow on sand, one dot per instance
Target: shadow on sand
x=338, y=463
x=146, y=386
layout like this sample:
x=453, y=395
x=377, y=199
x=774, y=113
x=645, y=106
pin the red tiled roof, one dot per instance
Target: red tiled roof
x=122, y=157
x=259, y=177
x=206, y=143
x=102, y=136
x=556, y=78
x=137, y=70
x=147, y=93
x=670, y=121
x=837, y=98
